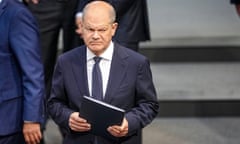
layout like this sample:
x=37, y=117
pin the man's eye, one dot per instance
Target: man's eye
x=102, y=30
x=91, y=30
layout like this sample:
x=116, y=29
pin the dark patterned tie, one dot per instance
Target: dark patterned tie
x=97, y=89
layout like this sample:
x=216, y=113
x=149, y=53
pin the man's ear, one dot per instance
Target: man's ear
x=114, y=28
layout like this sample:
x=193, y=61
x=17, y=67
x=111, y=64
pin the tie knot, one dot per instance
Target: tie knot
x=97, y=59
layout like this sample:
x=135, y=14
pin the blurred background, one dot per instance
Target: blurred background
x=195, y=61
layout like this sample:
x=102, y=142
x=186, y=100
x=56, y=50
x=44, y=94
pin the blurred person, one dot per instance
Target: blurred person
x=21, y=76
x=126, y=82
x=237, y=4
x=52, y=17
x=132, y=18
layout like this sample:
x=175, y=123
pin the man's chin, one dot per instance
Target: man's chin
x=95, y=48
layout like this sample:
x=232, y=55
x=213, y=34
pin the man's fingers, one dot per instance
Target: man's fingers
x=32, y=133
x=77, y=123
x=80, y=126
x=37, y=136
x=118, y=131
x=31, y=138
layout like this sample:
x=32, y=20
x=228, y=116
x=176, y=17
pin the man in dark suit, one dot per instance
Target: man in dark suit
x=132, y=18
x=126, y=82
x=237, y=4
x=21, y=75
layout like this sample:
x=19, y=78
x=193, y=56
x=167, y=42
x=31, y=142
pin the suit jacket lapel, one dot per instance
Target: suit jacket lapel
x=117, y=72
x=80, y=71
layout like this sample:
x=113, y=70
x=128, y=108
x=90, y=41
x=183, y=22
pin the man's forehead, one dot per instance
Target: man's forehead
x=96, y=25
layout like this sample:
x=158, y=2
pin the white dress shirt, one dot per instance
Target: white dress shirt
x=105, y=65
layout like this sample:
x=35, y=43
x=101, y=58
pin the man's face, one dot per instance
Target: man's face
x=97, y=32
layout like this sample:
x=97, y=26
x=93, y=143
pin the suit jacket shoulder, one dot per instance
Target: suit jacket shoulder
x=128, y=53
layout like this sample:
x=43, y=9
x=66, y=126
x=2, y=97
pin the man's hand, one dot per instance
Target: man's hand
x=78, y=124
x=119, y=131
x=32, y=133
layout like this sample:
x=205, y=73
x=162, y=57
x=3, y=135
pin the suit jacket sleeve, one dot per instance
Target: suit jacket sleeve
x=24, y=43
x=58, y=103
x=146, y=100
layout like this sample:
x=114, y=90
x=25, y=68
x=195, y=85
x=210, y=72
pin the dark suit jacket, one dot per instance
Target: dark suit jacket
x=130, y=87
x=21, y=72
x=235, y=1
x=132, y=17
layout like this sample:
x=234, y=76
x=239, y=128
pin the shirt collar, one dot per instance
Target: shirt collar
x=107, y=54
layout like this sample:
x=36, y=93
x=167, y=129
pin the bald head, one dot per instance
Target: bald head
x=100, y=8
x=98, y=26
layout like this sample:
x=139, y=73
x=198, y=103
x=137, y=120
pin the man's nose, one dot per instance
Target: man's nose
x=96, y=34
